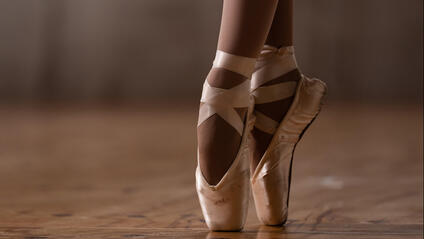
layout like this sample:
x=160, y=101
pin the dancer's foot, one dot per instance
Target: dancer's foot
x=281, y=65
x=283, y=112
x=222, y=176
x=222, y=115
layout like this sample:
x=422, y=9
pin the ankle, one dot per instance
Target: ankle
x=225, y=79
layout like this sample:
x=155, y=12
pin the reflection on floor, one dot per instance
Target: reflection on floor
x=114, y=172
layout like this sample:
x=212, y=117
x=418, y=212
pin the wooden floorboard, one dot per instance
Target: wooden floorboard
x=128, y=172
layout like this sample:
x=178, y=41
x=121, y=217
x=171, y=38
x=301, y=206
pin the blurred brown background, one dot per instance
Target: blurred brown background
x=97, y=50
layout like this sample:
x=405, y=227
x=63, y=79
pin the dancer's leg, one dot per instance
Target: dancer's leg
x=280, y=35
x=244, y=28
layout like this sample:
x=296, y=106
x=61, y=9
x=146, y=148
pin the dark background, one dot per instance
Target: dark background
x=161, y=50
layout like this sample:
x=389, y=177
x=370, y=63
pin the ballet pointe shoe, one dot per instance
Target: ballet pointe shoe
x=271, y=179
x=224, y=205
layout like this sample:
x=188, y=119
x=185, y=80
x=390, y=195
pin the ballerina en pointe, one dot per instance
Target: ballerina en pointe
x=225, y=204
x=271, y=178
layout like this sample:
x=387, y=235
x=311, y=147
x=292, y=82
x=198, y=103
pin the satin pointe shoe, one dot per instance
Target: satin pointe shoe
x=271, y=179
x=224, y=205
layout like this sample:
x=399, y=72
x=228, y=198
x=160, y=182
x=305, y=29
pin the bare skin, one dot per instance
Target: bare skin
x=280, y=35
x=244, y=28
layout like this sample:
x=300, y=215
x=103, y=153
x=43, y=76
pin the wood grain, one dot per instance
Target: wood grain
x=128, y=172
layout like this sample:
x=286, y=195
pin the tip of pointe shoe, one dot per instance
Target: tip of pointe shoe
x=274, y=221
x=225, y=228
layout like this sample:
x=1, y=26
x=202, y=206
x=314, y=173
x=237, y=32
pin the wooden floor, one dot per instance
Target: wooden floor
x=128, y=172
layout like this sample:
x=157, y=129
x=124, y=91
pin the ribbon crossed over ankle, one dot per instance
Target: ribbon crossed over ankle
x=272, y=63
x=223, y=101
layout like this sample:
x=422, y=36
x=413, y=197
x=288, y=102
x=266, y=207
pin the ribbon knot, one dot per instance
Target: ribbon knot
x=268, y=51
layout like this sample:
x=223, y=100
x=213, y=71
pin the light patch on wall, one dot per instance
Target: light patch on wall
x=332, y=183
